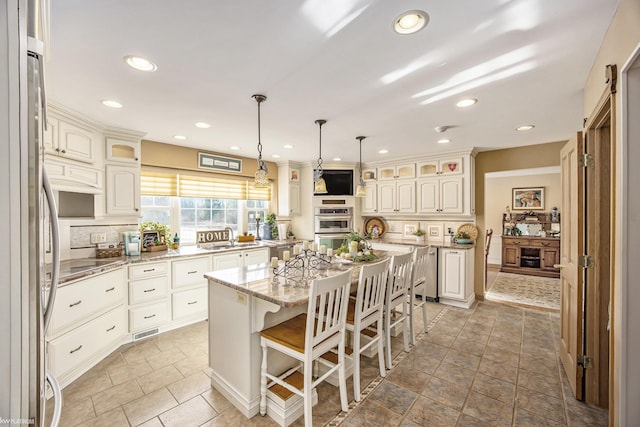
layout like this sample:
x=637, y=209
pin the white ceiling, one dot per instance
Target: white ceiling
x=526, y=61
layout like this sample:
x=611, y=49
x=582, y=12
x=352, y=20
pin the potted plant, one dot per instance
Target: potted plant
x=463, y=238
x=163, y=231
x=269, y=229
x=420, y=233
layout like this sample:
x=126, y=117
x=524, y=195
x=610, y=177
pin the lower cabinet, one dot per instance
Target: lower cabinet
x=456, y=277
x=189, y=288
x=191, y=303
x=240, y=258
x=148, y=296
x=534, y=256
x=148, y=316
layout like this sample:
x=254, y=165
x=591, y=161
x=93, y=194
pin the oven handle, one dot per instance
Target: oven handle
x=333, y=217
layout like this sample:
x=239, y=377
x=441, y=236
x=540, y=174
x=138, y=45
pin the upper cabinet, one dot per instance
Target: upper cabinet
x=123, y=190
x=397, y=171
x=119, y=150
x=448, y=166
x=70, y=141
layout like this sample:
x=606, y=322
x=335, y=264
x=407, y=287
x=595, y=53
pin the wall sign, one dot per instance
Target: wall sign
x=211, y=161
x=212, y=236
x=150, y=237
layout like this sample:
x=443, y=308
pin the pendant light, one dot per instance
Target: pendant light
x=320, y=186
x=260, y=180
x=361, y=190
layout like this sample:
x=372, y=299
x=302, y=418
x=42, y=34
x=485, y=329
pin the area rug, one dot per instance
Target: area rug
x=526, y=291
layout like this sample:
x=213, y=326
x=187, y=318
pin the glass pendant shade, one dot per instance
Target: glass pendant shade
x=319, y=186
x=260, y=179
x=361, y=190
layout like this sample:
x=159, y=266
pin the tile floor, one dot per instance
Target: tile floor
x=491, y=365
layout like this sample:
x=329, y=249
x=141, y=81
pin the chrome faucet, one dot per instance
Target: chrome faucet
x=232, y=240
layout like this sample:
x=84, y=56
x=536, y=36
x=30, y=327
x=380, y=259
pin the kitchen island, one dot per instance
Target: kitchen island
x=242, y=302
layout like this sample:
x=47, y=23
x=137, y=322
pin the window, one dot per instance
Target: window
x=255, y=207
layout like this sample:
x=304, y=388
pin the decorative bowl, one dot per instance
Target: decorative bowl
x=464, y=241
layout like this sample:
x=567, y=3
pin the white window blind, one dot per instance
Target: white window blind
x=154, y=183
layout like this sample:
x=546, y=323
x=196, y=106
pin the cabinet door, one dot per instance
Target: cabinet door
x=428, y=168
x=255, y=256
x=230, y=260
x=294, y=199
x=370, y=174
x=406, y=197
x=75, y=143
x=122, y=190
x=370, y=199
x=406, y=171
x=190, y=272
x=50, y=136
x=122, y=151
x=451, y=195
x=428, y=196
x=147, y=289
x=510, y=256
x=386, y=173
x=450, y=166
x=453, y=274
x=549, y=257
x=387, y=197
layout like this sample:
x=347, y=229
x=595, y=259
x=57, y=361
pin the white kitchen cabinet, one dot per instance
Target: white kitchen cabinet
x=122, y=151
x=190, y=304
x=456, y=277
x=370, y=199
x=441, y=195
x=370, y=174
x=397, y=197
x=148, y=295
x=122, y=190
x=190, y=271
x=397, y=171
x=294, y=199
x=70, y=141
x=68, y=176
x=148, y=316
x=440, y=167
x=145, y=290
x=240, y=258
x=189, y=297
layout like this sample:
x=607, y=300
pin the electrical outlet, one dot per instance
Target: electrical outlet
x=241, y=298
x=98, y=237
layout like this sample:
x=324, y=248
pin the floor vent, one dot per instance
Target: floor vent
x=145, y=334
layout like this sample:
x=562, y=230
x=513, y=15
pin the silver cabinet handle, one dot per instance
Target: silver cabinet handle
x=149, y=317
x=111, y=328
x=148, y=270
x=192, y=272
x=110, y=289
x=73, y=304
x=75, y=349
x=192, y=302
x=149, y=290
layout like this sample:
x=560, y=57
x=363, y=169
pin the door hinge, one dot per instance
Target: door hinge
x=585, y=261
x=585, y=160
x=585, y=361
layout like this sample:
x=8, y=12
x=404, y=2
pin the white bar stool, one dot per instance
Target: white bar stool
x=418, y=282
x=396, y=294
x=308, y=336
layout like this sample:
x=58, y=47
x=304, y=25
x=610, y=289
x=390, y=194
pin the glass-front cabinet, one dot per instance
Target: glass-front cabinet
x=398, y=171
x=449, y=166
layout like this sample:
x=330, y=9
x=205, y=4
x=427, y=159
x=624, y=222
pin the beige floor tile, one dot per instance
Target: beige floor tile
x=216, y=400
x=165, y=358
x=141, y=350
x=195, y=362
x=464, y=360
x=524, y=418
x=149, y=406
x=540, y=383
x=493, y=387
x=498, y=370
x=540, y=404
x=393, y=397
x=85, y=386
x=153, y=422
x=488, y=409
x=507, y=356
x=446, y=393
x=160, y=378
x=405, y=376
x=115, y=396
x=192, y=412
x=76, y=412
x=233, y=417
x=126, y=372
x=190, y=386
x=370, y=413
x=113, y=418
x=455, y=374
x=427, y=412
x=469, y=421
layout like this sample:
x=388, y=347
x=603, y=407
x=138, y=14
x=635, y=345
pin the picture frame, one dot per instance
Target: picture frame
x=150, y=236
x=409, y=228
x=294, y=175
x=434, y=232
x=527, y=199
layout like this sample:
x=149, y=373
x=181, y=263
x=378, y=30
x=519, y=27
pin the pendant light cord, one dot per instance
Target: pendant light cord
x=360, y=138
x=259, y=99
x=319, y=167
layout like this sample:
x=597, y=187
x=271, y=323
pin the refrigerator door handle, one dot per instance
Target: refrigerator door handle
x=57, y=399
x=55, y=237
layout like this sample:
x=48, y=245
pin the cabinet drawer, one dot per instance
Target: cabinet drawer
x=148, y=269
x=545, y=243
x=190, y=303
x=76, y=302
x=148, y=316
x=148, y=289
x=190, y=272
x=75, y=347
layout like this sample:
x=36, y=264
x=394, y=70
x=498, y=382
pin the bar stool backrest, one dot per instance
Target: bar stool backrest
x=419, y=269
x=327, y=313
x=399, y=278
x=370, y=297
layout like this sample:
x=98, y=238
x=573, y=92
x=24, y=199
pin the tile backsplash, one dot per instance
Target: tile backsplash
x=80, y=235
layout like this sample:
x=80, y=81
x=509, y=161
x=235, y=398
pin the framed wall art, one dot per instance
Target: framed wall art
x=434, y=232
x=526, y=199
x=294, y=175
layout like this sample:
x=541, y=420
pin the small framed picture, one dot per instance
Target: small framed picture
x=526, y=199
x=434, y=232
x=295, y=175
x=150, y=236
x=409, y=228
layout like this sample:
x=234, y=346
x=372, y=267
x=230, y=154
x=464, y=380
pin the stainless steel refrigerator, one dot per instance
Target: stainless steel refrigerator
x=42, y=215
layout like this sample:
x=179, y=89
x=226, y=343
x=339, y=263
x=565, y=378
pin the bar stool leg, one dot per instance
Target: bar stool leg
x=412, y=298
x=308, y=393
x=263, y=381
x=405, y=327
x=342, y=378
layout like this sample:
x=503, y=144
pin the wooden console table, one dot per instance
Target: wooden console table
x=531, y=255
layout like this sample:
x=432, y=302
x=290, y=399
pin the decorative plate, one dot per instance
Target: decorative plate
x=470, y=229
x=375, y=223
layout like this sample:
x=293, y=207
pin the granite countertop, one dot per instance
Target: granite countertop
x=257, y=280
x=74, y=269
x=413, y=242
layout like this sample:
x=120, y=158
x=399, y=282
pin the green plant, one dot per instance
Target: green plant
x=163, y=229
x=419, y=232
x=462, y=235
x=271, y=220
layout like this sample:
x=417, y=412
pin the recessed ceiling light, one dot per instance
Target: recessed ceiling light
x=410, y=22
x=383, y=151
x=140, y=63
x=336, y=159
x=275, y=156
x=234, y=147
x=525, y=127
x=111, y=103
x=180, y=137
x=466, y=102
x=444, y=141
x=202, y=125
x=288, y=146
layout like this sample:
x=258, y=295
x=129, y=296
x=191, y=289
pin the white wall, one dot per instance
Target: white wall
x=498, y=194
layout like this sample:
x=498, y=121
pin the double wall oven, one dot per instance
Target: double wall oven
x=332, y=224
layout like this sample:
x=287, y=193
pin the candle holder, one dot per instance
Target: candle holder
x=257, y=229
x=303, y=267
